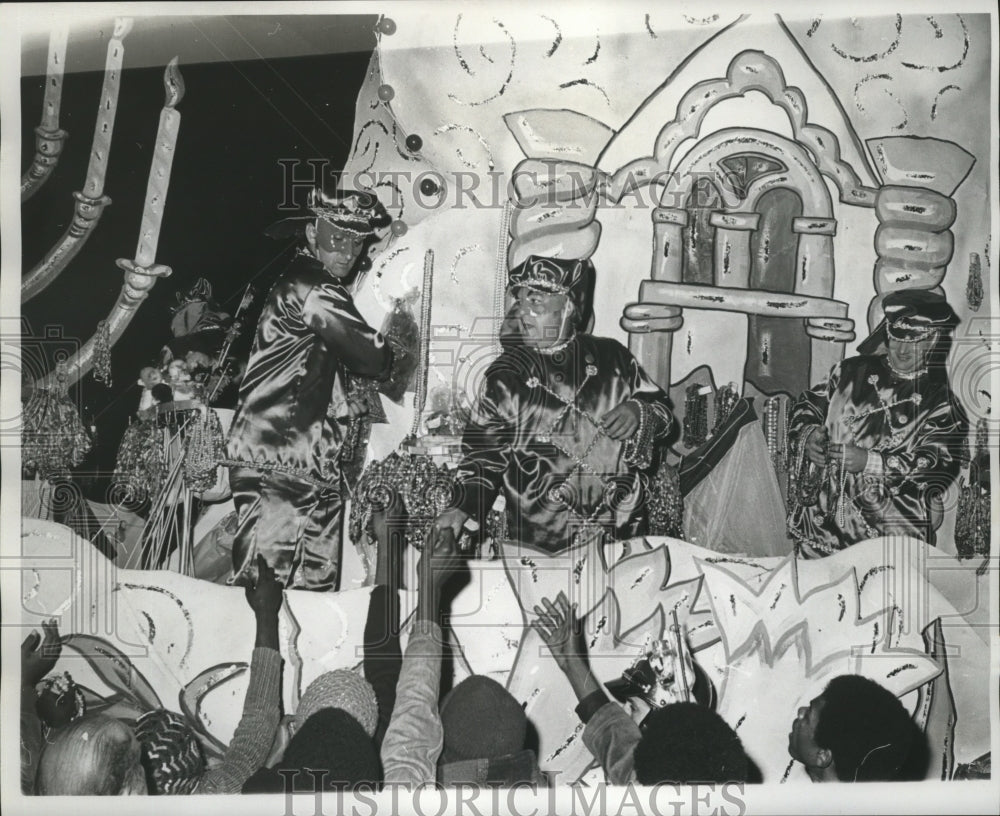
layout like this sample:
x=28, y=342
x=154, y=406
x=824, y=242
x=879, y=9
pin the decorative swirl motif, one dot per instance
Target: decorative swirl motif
x=193, y=693
x=589, y=84
x=877, y=55
x=887, y=78
x=468, y=70
x=180, y=605
x=939, y=34
x=937, y=98
x=490, y=163
x=558, y=39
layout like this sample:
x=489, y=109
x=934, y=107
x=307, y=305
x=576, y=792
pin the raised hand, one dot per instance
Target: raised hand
x=562, y=631
x=439, y=561
x=265, y=594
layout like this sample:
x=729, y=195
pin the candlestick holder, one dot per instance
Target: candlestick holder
x=48, y=149
x=87, y=212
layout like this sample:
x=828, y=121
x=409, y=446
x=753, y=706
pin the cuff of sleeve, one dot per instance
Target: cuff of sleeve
x=590, y=705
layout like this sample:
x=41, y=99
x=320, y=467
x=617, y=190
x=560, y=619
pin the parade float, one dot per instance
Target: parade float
x=746, y=209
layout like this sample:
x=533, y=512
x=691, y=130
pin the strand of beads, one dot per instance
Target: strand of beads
x=725, y=401
x=204, y=448
x=102, y=353
x=638, y=449
x=695, y=416
x=420, y=397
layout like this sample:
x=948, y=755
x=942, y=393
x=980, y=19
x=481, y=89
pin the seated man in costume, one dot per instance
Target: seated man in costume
x=566, y=422
x=285, y=443
x=856, y=731
x=880, y=441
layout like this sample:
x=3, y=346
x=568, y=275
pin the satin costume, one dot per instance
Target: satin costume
x=913, y=430
x=534, y=436
x=285, y=443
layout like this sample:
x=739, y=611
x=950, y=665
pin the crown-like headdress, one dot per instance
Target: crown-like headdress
x=356, y=211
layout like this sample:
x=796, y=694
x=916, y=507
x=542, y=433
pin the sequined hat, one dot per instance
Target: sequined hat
x=910, y=315
x=356, y=211
x=575, y=278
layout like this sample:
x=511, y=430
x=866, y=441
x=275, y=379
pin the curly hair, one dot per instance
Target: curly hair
x=866, y=729
x=686, y=743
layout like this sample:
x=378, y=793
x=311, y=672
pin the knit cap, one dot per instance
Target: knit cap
x=171, y=753
x=344, y=689
x=481, y=720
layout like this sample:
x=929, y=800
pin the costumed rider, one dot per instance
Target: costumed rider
x=284, y=449
x=880, y=441
x=566, y=425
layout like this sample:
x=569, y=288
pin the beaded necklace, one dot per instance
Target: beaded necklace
x=559, y=493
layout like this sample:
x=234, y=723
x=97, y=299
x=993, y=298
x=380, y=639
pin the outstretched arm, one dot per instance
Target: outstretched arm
x=252, y=739
x=415, y=736
x=610, y=734
x=562, y=632
x=330, y=312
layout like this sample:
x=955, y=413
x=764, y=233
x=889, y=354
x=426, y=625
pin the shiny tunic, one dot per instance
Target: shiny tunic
x=534, y=435
x=914, y=430
x=309, y=336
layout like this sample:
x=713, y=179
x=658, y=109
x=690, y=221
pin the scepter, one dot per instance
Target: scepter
x=231, y=335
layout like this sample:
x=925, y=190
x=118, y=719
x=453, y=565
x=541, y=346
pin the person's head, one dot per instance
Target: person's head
x=917, y=330
x=96, y=755
x=330, y=750
x=343, y=227
x=171, y=753
x=855, y=731
x=343, y=689
x=552, y=299
x=686, y=743
x=485, y=731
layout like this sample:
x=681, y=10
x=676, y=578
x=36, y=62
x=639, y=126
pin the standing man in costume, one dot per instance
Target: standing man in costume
x=881, y=440
x=566, y=423
x=285, y=444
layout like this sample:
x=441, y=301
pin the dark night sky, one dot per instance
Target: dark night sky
x=238, y=120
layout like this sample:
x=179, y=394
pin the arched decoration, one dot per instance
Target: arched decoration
x=748, y=71
x=783, y=164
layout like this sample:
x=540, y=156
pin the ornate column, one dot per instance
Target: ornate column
x=814, y=275
x=650, y=325
x=732, y=246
